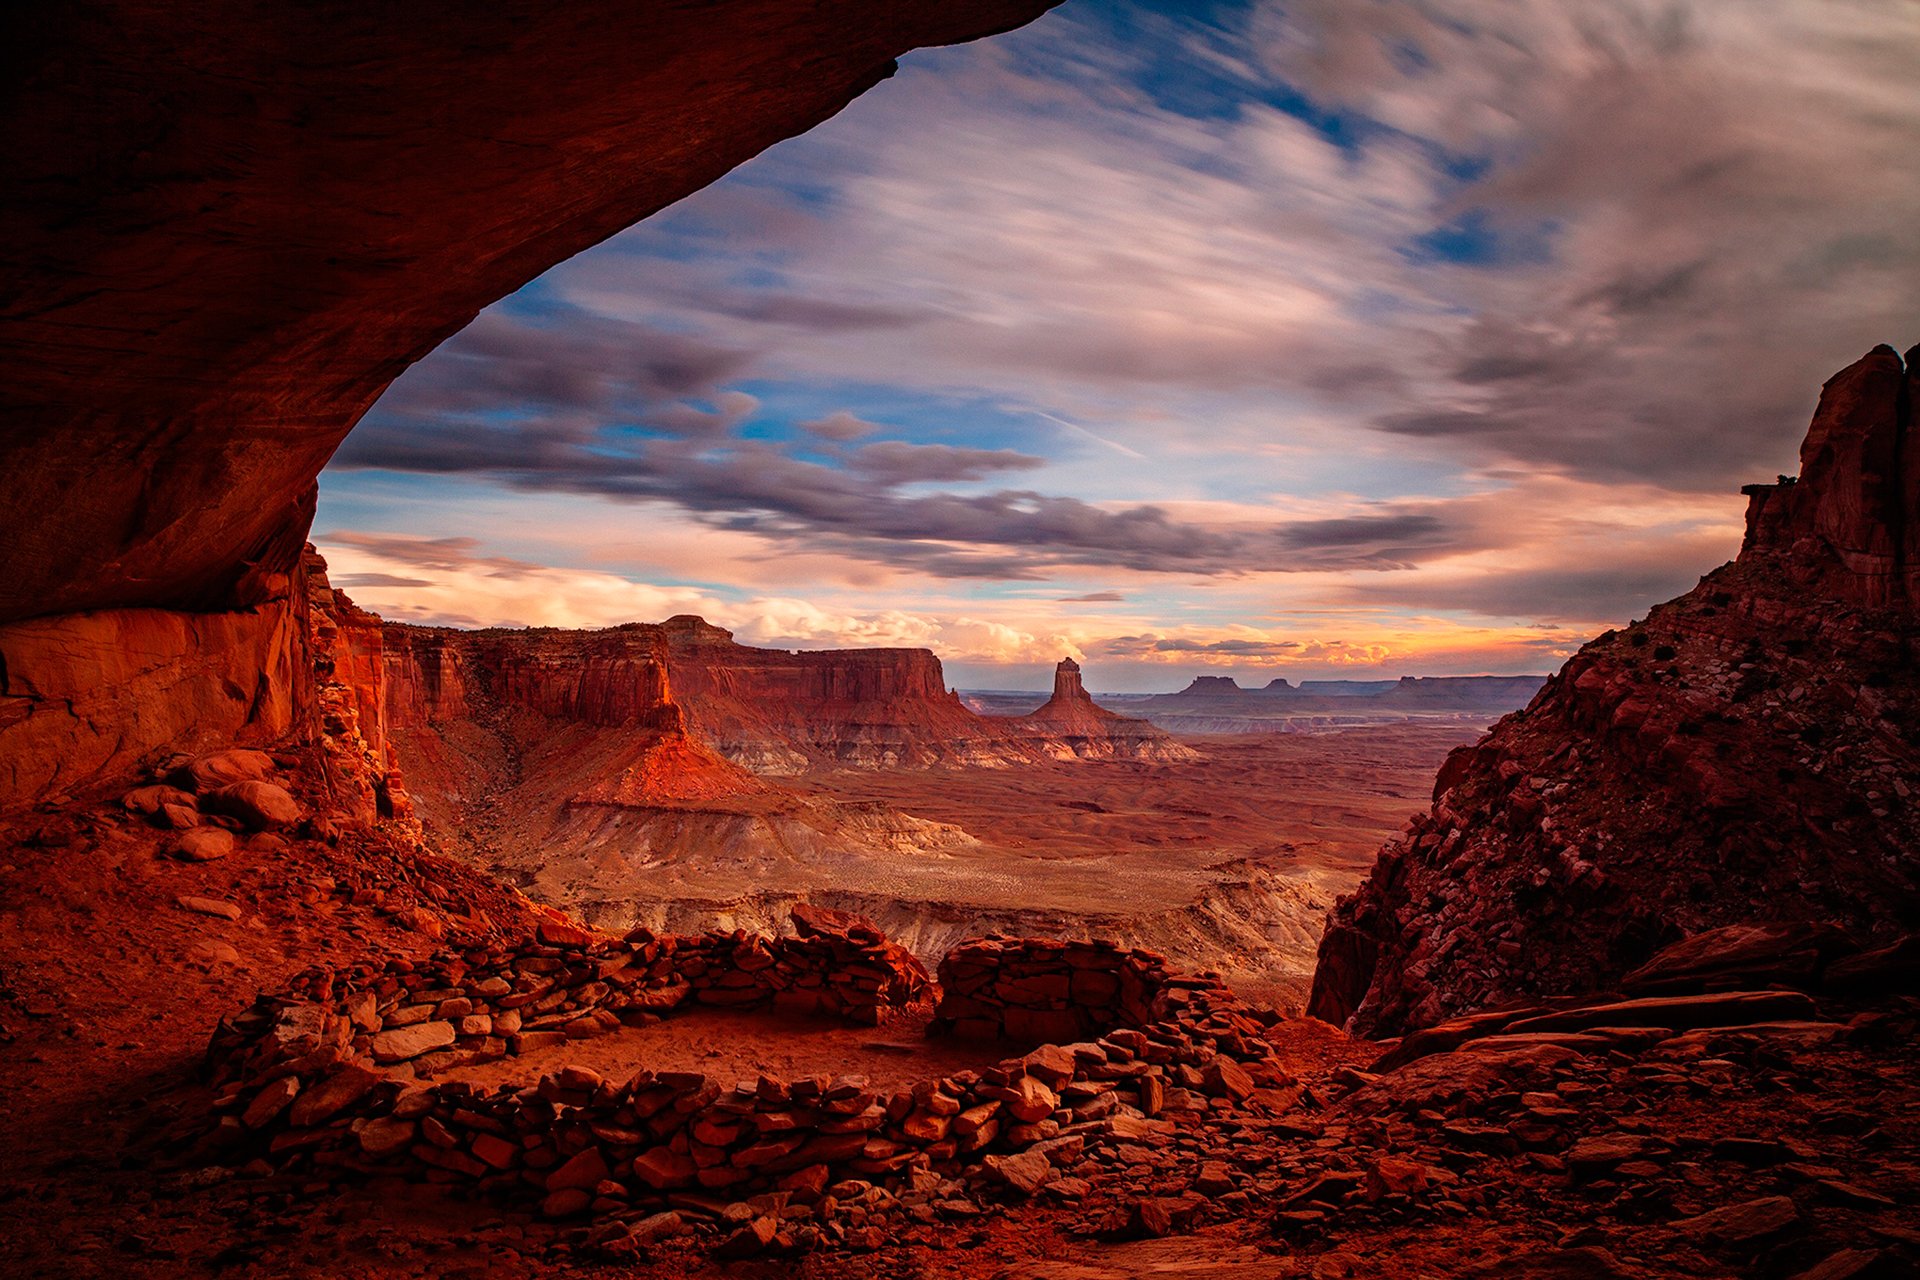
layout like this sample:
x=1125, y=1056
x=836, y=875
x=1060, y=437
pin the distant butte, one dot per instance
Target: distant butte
x=1071, y=725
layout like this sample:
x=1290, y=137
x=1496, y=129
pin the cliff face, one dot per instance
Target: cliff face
x=346, y=647
x=781, y=712
x=90, y=699
x=1750, y=752
x=767, y=709
x=229, y=226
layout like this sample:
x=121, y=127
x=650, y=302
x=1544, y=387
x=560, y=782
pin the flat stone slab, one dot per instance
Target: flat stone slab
x=1680, y=1013
x=403, y=1043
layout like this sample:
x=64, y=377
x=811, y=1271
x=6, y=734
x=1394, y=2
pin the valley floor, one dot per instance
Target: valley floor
x=1786, y=1149
x=1230, y=862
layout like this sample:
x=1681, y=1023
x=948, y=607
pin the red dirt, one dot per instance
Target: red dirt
x=728, y=1046
x=111, y=989
x=1324, y=801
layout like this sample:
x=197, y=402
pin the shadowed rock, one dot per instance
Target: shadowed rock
x=1746, y=756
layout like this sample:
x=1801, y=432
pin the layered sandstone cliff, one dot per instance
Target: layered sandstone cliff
x=216, y=255
x=783, y=712
x=1749, y=752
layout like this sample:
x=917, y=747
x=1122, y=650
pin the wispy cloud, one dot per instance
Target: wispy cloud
x=1366, y=318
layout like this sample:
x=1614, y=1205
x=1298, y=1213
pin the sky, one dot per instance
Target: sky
x=1342, y=338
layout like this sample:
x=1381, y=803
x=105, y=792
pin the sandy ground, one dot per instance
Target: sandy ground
x=1297, y=802
x=727, y=1046
x=1230, y=862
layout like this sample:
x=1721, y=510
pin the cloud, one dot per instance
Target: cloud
x=459, y=586
x=358, y=580
x=444, y=554
x=895, y=462
x=841, y=427
x=1703, y=278
x=643, y=435
x=1138, y=646
x=1445, y=308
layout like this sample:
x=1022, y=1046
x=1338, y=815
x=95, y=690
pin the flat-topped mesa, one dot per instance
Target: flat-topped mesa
x=1212, y=687
x=771, y=710
x=1851, y=519
x=614, y=677
x=779, y=711
x=1743, y=756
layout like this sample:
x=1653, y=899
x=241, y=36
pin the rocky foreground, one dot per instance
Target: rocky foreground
x=1752, y=1112
x=1747, y=752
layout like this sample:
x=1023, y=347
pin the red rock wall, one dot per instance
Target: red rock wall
x=606, y=678
x=1748, y=753
x=865, y=706
x=230, y=225
x=347, y=665
x=90, y=700
x=1857, y=499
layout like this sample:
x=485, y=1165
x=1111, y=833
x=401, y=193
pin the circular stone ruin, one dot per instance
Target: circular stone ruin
x=335, y=1078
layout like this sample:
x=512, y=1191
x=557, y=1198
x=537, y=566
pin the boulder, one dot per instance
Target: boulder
x=151, y=800
x=222, y=768
x=1895, y=967
x=1743, y=1227
x=1679, y=1013
x=1024, y=1172
x=1743, y=955
x=208, y=906
x=332, y=1094
x=583, y=1172
x=204, y=844
x=260, y=805
x=403, y=1043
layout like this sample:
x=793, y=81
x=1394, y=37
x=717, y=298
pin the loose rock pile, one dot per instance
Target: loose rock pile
x=211, y=797
x=335, y=1079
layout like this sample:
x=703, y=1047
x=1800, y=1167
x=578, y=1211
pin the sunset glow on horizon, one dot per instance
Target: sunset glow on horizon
x=1356, y=340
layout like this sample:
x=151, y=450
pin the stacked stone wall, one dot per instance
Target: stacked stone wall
x=1040, y=990
x=331, y=1079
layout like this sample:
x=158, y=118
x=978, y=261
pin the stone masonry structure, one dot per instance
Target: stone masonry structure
x=332, y=1079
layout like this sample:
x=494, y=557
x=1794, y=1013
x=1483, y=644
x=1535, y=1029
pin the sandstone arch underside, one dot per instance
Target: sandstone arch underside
x=230, y=226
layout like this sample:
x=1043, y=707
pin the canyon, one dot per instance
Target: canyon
x=313, y=926
x=664, y=775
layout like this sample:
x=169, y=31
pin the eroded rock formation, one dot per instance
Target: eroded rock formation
x=1748, y=753
x=1071, y=725
x=227, y=231
x=768, y=710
